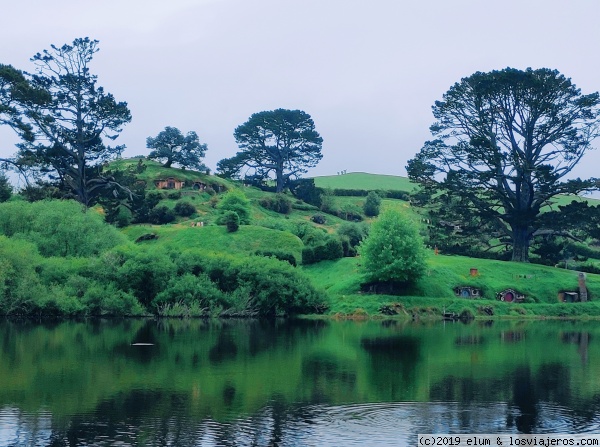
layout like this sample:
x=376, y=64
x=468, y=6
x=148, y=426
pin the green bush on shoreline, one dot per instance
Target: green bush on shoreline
x=97, y=272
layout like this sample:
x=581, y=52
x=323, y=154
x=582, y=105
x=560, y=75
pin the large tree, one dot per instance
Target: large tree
x=505, y=144
x=67, y=131
x=280, y=142
x=172, y=146
x=16, y=90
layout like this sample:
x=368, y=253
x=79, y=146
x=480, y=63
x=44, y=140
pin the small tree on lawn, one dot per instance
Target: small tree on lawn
x=372, y=204
x=394, y=250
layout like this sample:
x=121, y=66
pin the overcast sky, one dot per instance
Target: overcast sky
x=367, y=71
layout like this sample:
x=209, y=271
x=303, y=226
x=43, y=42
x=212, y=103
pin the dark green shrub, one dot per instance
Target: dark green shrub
x=351, y=235
x=145, y=273
x=41, y=191
x=121, y=217
x=232, y=221
x=273, y=287
x=329, y=249
x=278, y=203
x=174, y=195
x=261, y=285
x=184, y=209
x=372, y=204
x=319, y=219
x=5, y=188
x=153, y=198
x=305, y=190
x=161, y=215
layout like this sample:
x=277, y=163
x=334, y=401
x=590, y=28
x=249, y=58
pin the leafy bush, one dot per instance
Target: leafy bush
x=20, y=286
x=331, y=248
x=258, y=285
x=278, y=203
x=191, y=289
x=108, y=300
x=350, y=212
x=174, y=195
x=273, y=287
x=305, y=190
x=328, y=203
x=161, y=215
x=232, y=221
x=235, y=200
x=41, y=191
x=351, y=235
x=58, y=228
x=120, y=216
x=144, y=273
x=184, y=209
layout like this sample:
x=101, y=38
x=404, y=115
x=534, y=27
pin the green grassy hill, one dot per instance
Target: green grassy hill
x=362, y=180
x=434, y=292
x=246, y=241
x=155, y=171
x=340, y=280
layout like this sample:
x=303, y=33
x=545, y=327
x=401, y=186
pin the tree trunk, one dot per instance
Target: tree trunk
x=520, y=239
x=280, y=180
x=168, y=163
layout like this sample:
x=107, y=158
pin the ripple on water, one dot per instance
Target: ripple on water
x=373, y=424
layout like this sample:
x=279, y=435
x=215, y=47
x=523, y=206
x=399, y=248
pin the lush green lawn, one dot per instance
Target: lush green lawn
x=362, y=180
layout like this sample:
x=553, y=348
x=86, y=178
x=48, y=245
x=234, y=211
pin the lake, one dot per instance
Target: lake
x=292, y=383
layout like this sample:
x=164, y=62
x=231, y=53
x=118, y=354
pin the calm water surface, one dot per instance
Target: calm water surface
x=304, y=383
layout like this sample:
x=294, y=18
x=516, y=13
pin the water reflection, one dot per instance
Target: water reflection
x=197, y=382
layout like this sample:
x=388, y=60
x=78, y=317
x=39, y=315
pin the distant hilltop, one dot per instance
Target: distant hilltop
x=365, y=181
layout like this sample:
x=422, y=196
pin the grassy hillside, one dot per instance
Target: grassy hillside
x=341, y=279
x=362, y=180
x=155, y=170
x=434, y=292
x=246, y=241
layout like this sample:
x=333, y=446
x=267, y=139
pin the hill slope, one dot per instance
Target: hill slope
x=363, y=180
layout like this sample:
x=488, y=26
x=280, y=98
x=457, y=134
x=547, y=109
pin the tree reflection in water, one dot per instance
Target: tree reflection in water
x=259, y=383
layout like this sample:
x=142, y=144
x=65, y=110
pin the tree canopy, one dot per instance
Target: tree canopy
x=280, y=142
x=172, y=147
x=505, y=143
x=63, y=118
